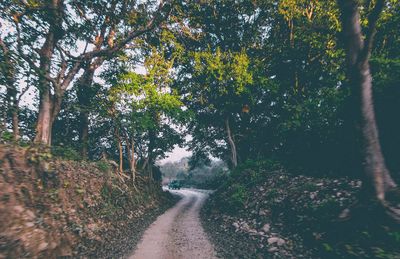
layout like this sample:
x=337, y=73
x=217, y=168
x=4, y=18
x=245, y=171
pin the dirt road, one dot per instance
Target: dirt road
x=178, y=232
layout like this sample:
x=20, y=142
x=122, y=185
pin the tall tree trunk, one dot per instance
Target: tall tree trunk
x=378, y=177
x=120, y=151
x=12, y=101
x=121, y=156
x=15, y=122
x=48, y=102
x=294, y=61
x=133, y=161
x=13, y=109
x=231, y=143
x=84, y=134
x=85, y=93
x=44, y=126
x=150, y=161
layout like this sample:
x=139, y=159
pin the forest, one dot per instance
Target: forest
x=307, y=87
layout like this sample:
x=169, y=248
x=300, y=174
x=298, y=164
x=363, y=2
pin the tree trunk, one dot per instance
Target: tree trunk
x=121, y=156
x=150, y=161
x=13, y=109
x=85, y=94
x=44, y=125
x=133, y=162
x=15, y=123
x=231, y=143
x=48, y=102
x=120, y=151
x=84, y=134
x=378, y=177
x=12, y=102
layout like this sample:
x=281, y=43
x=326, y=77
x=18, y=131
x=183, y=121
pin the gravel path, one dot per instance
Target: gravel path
x=178, y=232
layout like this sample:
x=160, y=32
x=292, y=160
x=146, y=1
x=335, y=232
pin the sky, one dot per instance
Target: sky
x=176, y=155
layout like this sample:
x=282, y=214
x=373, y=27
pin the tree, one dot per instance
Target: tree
x=215, y=92
x=10, y=73
x=144, y=109
x=45, y=32
x=358, y=52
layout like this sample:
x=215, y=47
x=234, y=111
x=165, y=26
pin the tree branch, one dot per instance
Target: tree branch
x=154, y=22
x=372, y=22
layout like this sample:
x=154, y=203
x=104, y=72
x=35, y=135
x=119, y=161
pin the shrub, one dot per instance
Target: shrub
x=103, y=166
x=66, y=153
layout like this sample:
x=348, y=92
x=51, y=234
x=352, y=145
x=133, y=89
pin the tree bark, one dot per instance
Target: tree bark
x=133, y=161
x=231, y=143
x=12, y=101
x=15, y=123
x=43, y=127
x=85, y=96
x=47, y=101
x=150, y=157
x=358, y=50
x=120, y=151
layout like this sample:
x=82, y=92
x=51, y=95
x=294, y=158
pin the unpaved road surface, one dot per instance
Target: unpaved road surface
x=178, y=232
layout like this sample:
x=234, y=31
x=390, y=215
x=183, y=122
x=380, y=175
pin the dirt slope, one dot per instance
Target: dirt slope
x=260, y=213
x=51, y=208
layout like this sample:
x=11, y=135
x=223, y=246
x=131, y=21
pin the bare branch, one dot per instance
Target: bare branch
x=153, y=23
x=63, y=66
x=372, y=21
x=24, y=90
x=71, y=74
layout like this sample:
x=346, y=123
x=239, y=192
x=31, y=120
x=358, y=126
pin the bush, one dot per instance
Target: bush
x=239, y=196
x=66, y=153
x=103, y=166
x=7, y=136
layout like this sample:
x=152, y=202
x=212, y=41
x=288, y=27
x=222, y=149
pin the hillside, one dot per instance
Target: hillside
x=262, y=211
x=52, y=208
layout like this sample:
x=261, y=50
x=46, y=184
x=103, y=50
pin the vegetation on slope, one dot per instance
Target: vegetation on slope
x=52, y=207
x=261, y=211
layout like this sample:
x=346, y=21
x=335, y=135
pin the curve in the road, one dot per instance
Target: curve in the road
x=178, y=232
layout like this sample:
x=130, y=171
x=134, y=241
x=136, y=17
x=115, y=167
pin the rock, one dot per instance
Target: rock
x=276, y=240
x=344, y=214
x=263, y=212
x=29, y=224
x=235, y=224
x=273, y=249
x=281, y=242
x=43, y=246
x=266, y=228
x=18, y=209
x=245, y=227
x=30, y=214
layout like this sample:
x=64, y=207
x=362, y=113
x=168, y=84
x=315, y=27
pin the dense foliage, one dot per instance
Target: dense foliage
x=246, y=79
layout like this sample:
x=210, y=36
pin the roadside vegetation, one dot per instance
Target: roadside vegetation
x=262, y=211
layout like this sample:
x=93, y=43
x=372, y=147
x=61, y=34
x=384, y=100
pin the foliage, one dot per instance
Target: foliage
x=66, y=153
x=205, y=176
x=103, y=166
